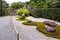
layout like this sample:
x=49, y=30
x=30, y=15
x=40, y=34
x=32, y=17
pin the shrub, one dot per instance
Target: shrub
x=22, y=11
x=49, y=13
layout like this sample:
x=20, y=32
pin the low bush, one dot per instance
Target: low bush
x=49, y=13
x=22, y=11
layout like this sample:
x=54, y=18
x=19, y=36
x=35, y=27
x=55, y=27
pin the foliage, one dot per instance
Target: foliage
x=25, y=11
x=45, y=3
x=49, y=13
x=3, y=8
x=17, y=5
x=4, y=12
x=5, y=4
x=22, y=11
x=19, y=11
x=58, y=4
x=40, y=28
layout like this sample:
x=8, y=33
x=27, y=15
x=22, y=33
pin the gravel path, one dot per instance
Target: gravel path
x=29, y=32
x=7, y=31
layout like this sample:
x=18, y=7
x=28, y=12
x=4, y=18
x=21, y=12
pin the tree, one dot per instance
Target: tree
x=0, y=7
x=58, y=4
x=17, y=5
x=39, y=3
x=5, y=4
x=46, y=3
x=3, y=7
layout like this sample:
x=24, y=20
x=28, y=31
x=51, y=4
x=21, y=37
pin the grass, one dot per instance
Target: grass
x=40, y=28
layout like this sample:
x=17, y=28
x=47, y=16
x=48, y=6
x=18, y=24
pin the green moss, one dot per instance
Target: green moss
x=19, y=18
x=40, y=28
x=26, y=23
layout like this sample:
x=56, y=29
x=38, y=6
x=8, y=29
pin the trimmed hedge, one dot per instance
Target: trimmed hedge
x=49, y=13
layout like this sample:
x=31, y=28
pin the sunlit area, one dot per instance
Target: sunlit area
x=30, y=20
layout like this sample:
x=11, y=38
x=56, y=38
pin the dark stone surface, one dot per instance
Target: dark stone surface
x=29, y=21
x=50, y=23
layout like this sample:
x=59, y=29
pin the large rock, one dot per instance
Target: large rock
x=50, y=23
x=49, y=28
x=29, y=21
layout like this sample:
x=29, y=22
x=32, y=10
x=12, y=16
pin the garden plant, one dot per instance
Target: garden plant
x=22, y=13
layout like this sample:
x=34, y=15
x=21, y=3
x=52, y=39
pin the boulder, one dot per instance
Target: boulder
x=49, y=28
x=29, y=21
x=52, y=24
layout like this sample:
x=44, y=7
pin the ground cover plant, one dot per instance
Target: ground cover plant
x=40, y=28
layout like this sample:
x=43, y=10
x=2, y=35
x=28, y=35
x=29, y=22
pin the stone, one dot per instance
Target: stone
x=52, y=24
x=29, y=21
x=49, y=28
x=23, y=16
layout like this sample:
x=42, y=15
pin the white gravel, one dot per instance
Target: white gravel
x=41, y=19
x=29, y=32
x=7, y=31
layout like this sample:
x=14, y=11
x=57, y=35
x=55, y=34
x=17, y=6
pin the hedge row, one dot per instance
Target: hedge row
x=49, y=13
